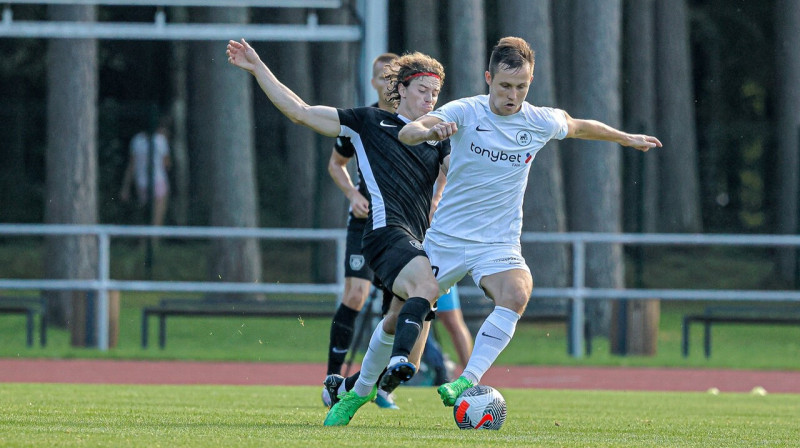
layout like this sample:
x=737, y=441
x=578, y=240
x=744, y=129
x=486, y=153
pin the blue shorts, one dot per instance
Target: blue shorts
x=449, y=301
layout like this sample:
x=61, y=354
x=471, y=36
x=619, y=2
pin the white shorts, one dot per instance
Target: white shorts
x=453, y=258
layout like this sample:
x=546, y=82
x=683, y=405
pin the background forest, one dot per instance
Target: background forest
x=717, y=81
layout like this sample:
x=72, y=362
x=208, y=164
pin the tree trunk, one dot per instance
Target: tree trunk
x=300, y=141
x=543, y=209
x=201, y=114
x=595, y=169
x=179, y=141
x=71, y=157
x=234, y=197
x=336, y=88
x=421, y=25
x=787, y=28
x=680, y=194
x=640, y=181
x=464, y=76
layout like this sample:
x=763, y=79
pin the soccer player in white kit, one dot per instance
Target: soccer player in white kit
x=476, y=229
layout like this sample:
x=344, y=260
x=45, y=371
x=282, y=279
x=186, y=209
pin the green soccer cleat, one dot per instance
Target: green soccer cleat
x=449, y=392
x=349, y=402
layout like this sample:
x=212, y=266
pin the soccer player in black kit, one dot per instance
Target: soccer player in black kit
x=358, y=276
x=400, y=179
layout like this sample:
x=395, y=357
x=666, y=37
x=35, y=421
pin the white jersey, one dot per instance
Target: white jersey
x=490, y=160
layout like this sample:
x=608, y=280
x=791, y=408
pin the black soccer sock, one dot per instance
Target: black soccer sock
x=341, y=337
x=350, y=381
x=409, y=325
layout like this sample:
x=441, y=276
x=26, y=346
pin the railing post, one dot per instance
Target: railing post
x=103, y=269
x=578, y=280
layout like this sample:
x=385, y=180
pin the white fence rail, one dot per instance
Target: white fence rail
x=578, y=291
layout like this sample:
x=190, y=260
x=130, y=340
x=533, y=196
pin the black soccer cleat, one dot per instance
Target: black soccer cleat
x=330, y=389
x=395, y=375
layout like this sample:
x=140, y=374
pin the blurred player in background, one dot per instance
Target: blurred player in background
x=141, y=168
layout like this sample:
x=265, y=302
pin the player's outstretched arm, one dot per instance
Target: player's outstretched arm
x=322, y=119
x=595, y=130
x=426, y=128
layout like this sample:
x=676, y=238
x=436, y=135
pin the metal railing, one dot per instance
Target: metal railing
x=578, y=292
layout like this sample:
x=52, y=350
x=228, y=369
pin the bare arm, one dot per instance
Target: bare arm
x=595, y=130
x=426, y=128
x=438, y=189
x=337, y=168
x=322, y=119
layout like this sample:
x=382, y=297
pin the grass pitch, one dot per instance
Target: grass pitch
x=213, y=416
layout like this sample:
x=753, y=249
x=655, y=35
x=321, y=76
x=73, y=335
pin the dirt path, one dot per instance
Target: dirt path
x=238, y=373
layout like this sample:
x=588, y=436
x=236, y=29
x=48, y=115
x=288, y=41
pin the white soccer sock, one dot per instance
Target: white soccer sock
x=494, y=335
x=378, y=354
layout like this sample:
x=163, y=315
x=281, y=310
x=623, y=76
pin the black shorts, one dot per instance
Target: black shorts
x=388, y=250
x=354, y=263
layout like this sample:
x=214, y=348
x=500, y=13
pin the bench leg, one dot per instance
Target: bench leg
x=707, y=339
x=162, y=331
x=43, y=329
x=685, y=338
x=144, y=329
x=29, y=328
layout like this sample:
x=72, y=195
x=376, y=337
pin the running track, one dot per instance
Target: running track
x=239, y=373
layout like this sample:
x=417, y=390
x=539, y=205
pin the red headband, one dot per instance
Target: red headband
x=422, y=74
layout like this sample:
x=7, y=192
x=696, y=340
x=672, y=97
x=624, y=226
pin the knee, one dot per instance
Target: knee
x=516, y=301
x=390, y=322
x=430, y=291
x=355, y=297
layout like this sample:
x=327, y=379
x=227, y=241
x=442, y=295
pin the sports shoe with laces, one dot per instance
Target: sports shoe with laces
x=449, y=392
x=395, y=375
x=330, y=389
x=385, y=400
x=349, y=403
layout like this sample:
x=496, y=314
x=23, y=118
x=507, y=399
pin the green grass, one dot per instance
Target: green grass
x=305, y=340
x=241, y=416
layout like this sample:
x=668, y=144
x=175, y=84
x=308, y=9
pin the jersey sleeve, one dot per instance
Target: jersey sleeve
x=344, y=147
x=351, y=121
x=559, y=121
x=454, y=111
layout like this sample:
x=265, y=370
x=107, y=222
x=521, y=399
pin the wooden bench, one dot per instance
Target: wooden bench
x=183, y=307
x=752, y=315
x=30, y=306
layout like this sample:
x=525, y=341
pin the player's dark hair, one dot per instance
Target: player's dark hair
x=403, y=70
x=511, y=53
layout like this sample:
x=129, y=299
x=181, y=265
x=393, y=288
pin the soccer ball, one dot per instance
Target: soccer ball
x=480, y=407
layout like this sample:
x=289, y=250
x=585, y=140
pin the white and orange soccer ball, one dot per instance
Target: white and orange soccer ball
x=480, y=407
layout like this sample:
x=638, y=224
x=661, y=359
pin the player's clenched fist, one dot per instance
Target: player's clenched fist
x=442, y=130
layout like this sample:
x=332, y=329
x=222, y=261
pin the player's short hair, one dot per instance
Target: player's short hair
x=403, y=70
x=384, y=59
x=510, y=53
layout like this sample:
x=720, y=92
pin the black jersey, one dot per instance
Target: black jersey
x=398, y=177
x=345, y=148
